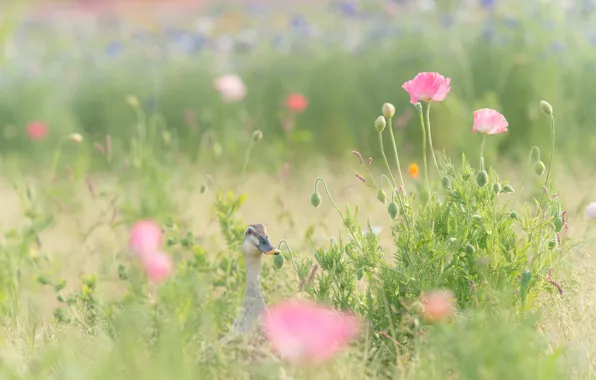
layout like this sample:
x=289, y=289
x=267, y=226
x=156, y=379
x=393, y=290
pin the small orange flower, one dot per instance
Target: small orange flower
x=413, y=170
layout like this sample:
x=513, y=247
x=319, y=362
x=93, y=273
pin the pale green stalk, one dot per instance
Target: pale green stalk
x=401, y=178
x=430, y=139
x=422, y=124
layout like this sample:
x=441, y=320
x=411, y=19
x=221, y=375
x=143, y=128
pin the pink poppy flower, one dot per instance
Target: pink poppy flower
x=230, y=87
x=297, y=102
x=306, y=333
x=157, y=265
x=37, y=130
x=427, y=87
x=489, y=121
x=145, y=237
x=438, y=305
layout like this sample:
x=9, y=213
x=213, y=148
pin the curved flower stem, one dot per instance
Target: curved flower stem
x=401, y=178
x=482, y=151
x=550, y=160
x=430, y=139
x=320, y=179
x=422, y=124
x=385, y=160
x=291, y=255
x=381, y=177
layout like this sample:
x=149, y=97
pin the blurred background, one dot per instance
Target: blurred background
x=81, y=66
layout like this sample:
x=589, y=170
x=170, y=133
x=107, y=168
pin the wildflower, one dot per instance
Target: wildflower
x=230, y=87
x=297, y=102
x=438, y=305
x=37, y=130
x=413, y=170
x=427, y=87
x=303, y=332
x=157, y=265
x=591, y=211
x=489, y=121
x=145, y=237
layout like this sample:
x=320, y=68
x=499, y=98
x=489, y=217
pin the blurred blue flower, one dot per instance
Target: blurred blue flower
x=113, y=49
x=488, y=4
x=348, y=8
x=447, y=20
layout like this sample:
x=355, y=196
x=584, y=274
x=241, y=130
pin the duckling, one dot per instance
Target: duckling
x=256, y=243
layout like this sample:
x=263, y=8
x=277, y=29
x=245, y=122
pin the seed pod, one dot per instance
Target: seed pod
x=446, y=183
x=388, y=110
x=497, y=188
x=380, y=124
x=278, y=261
x=546, y=108
x=392, y=209
x=508, y=189
x=524, y=285
x=315, y=199
x=539, y=167
x=203, y=189
x=482, y=178
x=257, y=135
x=381, y=196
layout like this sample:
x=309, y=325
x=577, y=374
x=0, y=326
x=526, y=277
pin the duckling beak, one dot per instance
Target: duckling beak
x=266, y=247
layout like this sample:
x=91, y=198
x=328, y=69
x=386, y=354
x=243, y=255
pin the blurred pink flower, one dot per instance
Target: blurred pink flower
x=37, y=130
x=230, y=87
x=157, y=265
x=306, y=333
x=438, y=305
x=145, y=237
x=427, y=87
x=489, y=121
x=591, y=211
x=297, y=102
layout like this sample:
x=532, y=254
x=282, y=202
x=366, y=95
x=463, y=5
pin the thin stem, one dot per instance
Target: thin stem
x=385, y=159
x=430, y=139
x=401, y=178
x=245, y=164
x=291, y=255
x=482, y=151
x=422, y=124
x=381, y=177
x=320, y=179
x=550, y=160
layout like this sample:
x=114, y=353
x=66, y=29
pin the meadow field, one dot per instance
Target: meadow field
x=424, y=171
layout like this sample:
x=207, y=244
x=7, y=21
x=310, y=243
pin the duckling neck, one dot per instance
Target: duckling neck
x=253, y=281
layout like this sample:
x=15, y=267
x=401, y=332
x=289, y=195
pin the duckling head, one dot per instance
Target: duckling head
x=256, y=242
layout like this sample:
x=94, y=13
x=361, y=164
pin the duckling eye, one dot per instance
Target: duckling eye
x=249, y=232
